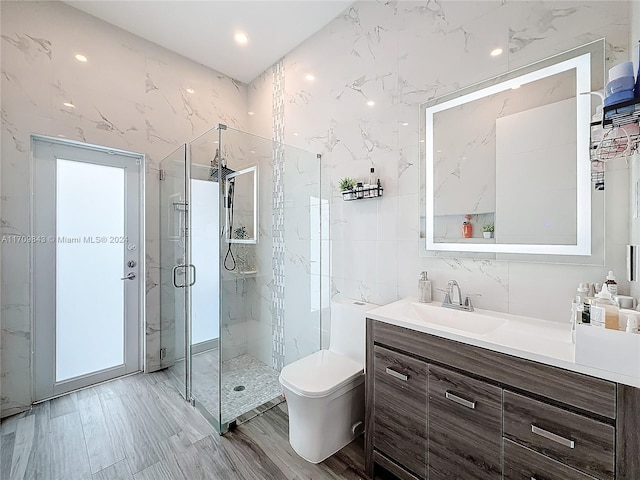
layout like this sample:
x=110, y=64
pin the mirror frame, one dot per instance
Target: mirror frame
x=580, y=59
x=253, y=240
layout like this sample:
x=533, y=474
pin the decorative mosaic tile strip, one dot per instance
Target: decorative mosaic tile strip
x=277, y=296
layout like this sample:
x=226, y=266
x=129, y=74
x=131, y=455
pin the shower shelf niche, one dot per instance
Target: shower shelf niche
x=362, y=193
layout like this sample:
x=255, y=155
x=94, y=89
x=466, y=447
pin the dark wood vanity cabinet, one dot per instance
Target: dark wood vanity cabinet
x=400, y=418
x=465, y=427
x=438, y=409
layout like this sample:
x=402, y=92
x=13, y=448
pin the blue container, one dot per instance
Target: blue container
x=620, y=84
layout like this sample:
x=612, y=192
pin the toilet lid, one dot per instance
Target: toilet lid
x=320, y=374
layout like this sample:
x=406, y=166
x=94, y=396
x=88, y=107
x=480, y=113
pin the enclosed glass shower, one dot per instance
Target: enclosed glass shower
x=244, y=269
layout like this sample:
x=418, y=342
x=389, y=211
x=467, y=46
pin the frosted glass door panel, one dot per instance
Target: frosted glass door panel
x=205, y=231
x=90, y=259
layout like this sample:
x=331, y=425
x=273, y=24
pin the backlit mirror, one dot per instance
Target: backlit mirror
x=511, y=156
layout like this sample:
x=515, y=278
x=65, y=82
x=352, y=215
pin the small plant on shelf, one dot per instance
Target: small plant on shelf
x=347, y=184
x=240, y=233
x=487, y=230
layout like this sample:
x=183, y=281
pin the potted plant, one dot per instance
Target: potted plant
x=346, y=186
x=487, y=230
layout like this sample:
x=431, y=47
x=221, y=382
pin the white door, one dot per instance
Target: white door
x=88, y=265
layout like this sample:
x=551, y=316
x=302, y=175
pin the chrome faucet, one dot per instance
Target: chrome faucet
x=448, y=298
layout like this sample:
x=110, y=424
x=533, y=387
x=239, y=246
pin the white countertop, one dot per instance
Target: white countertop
x=524, y=337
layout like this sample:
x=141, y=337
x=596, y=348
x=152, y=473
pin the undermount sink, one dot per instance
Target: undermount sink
x=472, y=322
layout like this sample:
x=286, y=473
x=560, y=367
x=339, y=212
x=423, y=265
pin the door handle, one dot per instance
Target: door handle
x=130, y=276
x=174, y=276
x=193, y=268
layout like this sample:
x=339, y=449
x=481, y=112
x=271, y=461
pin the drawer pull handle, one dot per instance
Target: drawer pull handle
x=459, y=400
x=552, y=436
x=398, y=375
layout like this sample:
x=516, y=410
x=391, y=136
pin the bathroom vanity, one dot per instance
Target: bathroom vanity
x=472, y=396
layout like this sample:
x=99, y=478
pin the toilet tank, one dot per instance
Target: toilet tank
x=347, y=332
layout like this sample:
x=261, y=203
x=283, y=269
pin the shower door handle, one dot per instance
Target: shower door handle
x=193, y=268
x=174, y=273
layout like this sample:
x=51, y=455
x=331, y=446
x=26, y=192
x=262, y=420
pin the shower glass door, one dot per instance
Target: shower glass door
x=173, y=258
x=204, y=294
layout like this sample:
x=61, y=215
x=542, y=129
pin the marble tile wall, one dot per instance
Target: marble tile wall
x=399, y=54
x=130, y=95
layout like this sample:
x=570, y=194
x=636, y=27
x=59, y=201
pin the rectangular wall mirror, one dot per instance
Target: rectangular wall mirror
x=241, y=206
x=512, y=154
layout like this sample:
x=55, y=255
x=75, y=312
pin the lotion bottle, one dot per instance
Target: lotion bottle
x=611, y=283
x=424, y=288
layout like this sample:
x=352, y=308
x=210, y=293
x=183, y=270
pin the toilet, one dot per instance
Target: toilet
x=325, y=390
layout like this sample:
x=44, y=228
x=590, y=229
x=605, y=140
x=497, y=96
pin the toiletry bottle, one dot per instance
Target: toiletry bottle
x=424, y=288
x=581, y=293
x=467, y=228
x=372, y=178
x=592, y=290
x=576, y=317
x=581, y=298
x=611, y=283
x=604, y=311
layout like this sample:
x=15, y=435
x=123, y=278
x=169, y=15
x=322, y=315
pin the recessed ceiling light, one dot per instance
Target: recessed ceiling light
x=371, y=103
x=216, y=141
x=496, y=51
x=404, y=124
x=241, y=38
x=295, y=134
x=515, y=87
x=251, y=113
x=310, y=77
x=81, y=58
x=190, y=90
x=253, y=151
x=68, y=104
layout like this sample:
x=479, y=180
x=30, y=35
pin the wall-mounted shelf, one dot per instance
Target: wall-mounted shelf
x=362, y=193
x=615, y=142
x=631, y=113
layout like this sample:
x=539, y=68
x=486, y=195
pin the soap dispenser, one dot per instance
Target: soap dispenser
x=424, y=288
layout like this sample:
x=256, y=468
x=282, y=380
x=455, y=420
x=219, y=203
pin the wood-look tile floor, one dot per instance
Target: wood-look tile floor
x=138, y=427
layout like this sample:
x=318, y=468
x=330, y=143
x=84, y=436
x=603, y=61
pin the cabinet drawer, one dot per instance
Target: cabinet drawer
x=520, y=463
x=465, y=427
x=578, y=441
x=400, y=407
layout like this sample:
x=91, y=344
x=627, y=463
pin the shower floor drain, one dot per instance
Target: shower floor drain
x=238, y=388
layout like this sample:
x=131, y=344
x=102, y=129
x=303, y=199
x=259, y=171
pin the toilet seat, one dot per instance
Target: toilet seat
x=320, y=374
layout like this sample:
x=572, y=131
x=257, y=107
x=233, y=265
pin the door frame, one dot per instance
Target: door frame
x=141, y=157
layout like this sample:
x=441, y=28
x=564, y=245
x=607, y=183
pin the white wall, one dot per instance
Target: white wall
x=400, y=54
x=131, y=95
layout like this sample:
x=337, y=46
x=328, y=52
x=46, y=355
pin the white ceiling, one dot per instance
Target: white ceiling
x=203, y=30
